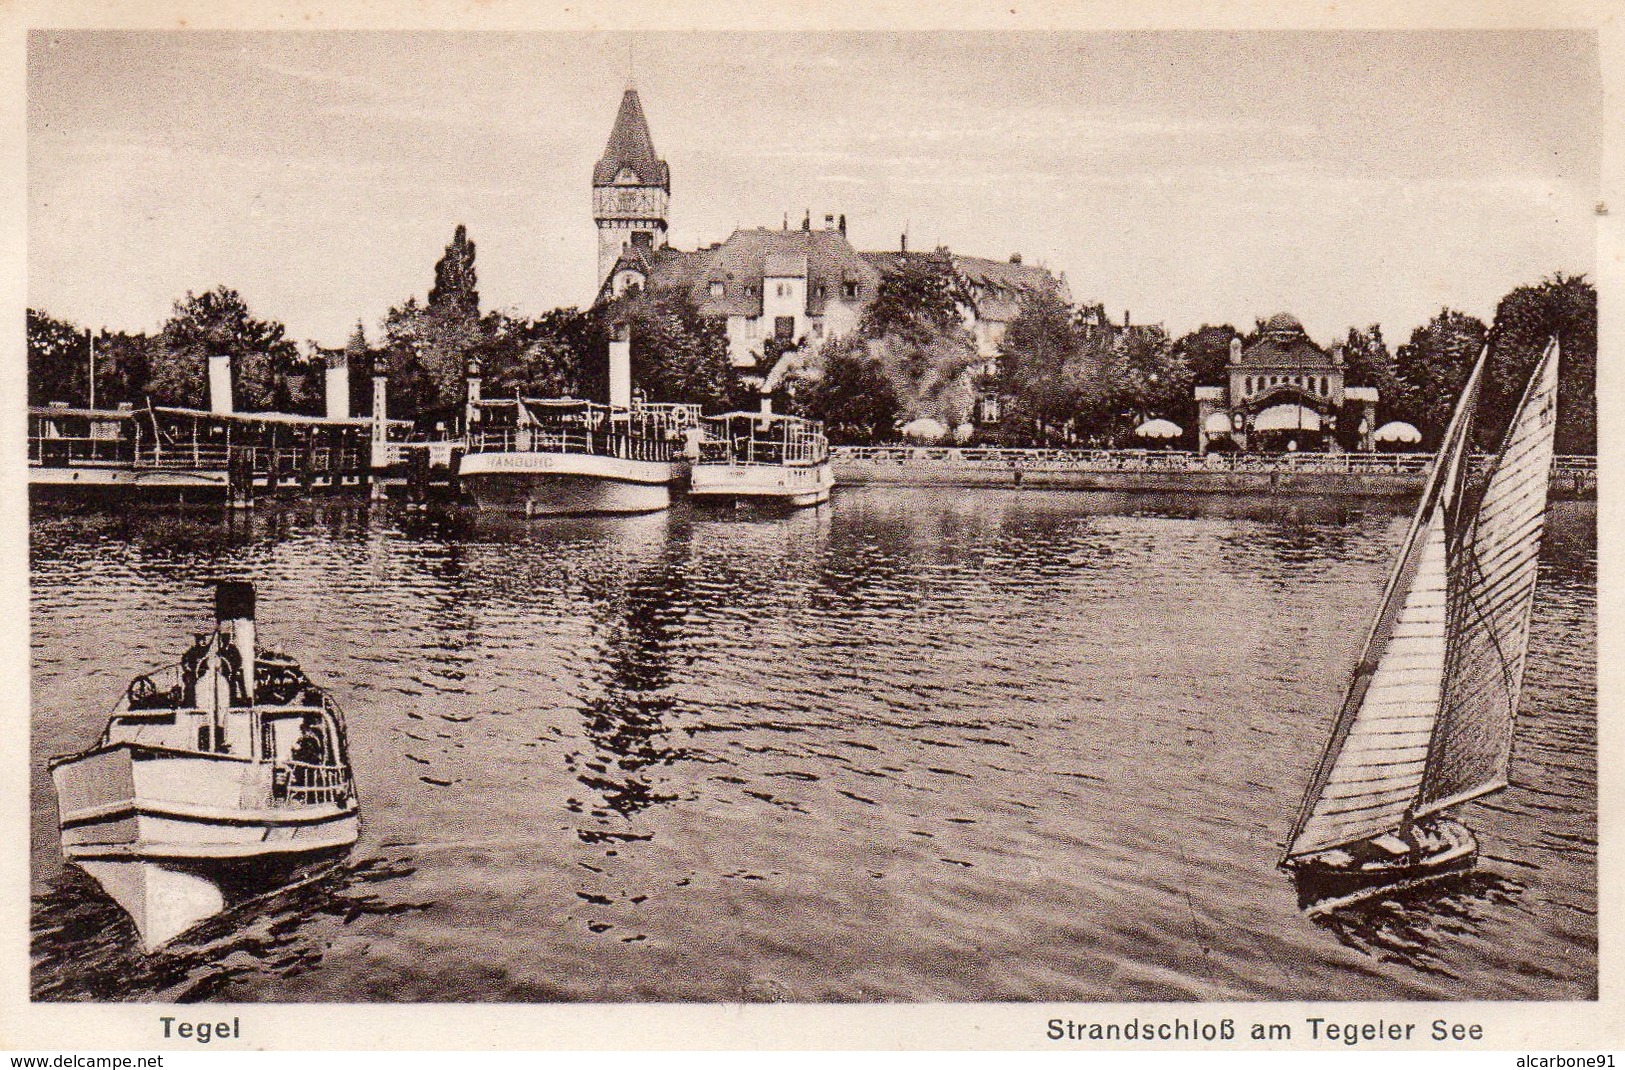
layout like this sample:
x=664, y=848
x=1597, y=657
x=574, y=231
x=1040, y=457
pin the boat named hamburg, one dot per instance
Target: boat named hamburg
x=565, y=456
x=225, y=772
x=762, y=457
x=1427, y=722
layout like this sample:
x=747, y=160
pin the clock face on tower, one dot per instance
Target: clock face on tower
x=642, y=202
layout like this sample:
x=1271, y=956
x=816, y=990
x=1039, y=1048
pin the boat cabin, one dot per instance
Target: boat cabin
x=651, y=432
x=751, y=438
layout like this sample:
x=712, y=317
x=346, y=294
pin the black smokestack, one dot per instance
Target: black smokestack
x=233, y=600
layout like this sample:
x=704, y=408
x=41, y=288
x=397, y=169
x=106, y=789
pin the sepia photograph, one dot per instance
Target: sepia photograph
x=812, y=517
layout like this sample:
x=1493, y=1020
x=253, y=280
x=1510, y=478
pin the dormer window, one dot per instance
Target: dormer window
x=627, y=177
x=716, y=289
x=849, y=290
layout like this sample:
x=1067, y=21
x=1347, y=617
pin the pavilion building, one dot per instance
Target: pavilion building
x=1282, y=393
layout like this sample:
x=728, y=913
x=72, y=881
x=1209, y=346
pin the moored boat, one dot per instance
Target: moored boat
x=764, y=457
x=224, y=770
x=566, y=456
x=1427, y=722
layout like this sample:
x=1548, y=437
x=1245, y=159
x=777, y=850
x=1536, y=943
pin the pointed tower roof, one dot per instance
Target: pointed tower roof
x=631, y=147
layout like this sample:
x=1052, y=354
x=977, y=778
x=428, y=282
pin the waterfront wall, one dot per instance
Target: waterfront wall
x=1347, y=475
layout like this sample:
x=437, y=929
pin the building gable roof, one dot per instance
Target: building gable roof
x=824, y=257
x=631, y=149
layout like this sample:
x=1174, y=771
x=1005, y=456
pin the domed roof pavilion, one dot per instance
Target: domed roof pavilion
x=1282, y=386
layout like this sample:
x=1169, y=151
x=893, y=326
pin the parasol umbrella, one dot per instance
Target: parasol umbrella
x=925, y=429
x=1158, y=429
x=1397, y=431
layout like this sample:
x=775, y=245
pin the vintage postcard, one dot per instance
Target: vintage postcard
x=1075, y=529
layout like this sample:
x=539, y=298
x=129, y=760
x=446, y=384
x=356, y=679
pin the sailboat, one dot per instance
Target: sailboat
x=1426, y=724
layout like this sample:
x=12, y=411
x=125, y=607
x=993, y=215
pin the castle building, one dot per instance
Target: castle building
x=801, y=286
x=1282, y=392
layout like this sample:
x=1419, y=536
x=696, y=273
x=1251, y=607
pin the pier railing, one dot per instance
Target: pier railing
x=1051, y=460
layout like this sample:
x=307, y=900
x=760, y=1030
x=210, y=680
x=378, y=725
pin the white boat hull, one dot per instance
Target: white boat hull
x=160, y=830
x=565, y=484
x=793, y=485
x=163, y=901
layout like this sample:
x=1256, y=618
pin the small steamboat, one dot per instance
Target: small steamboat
x=226, y=771
x=762, y=457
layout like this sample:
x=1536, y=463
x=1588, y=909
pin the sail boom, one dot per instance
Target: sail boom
x=1457, y=799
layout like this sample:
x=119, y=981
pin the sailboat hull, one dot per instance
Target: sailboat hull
x=1332, y=880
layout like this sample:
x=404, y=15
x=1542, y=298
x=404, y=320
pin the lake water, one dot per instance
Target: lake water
x=913, y=745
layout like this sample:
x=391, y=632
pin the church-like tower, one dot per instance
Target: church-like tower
x=631, y=188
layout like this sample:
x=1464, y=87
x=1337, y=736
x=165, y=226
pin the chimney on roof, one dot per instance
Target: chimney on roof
x=806, y=220
x=1235, y=351
x=841, y=226
x=1337, y=355
x=902, y=242
x=1125, y=319
x=1015, y=258
x=829, y=220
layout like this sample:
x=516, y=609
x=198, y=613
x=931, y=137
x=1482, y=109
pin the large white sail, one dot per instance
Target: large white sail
x=1493, y=564
x=1373, y=766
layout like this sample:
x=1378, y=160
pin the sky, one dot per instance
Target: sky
x=1184, y=178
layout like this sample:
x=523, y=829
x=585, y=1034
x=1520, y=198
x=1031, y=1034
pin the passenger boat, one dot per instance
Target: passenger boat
x=764, y=457
x=1426, y=725
x=566, y=456
x=201, y=782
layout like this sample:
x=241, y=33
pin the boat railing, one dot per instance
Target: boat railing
x=63, y=451
x=306, y=783
x=615, y=441
x=182, y=455
x=763, y=452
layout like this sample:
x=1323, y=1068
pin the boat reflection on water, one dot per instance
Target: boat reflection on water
x=213, y=778
x=1404, y=926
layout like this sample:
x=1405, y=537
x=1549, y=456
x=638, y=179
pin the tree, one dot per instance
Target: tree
x=1141, y=378
x=1039, y=365
x=456, y=288
x=1205, y=353
x=915, y=333
x=853, y=396
x=428, y=346
x=219, y=323
x=678, y=355
x=58, y=361
x=124, y=366
x=546, y=357
x=920, y=301
x=1433, y=367
x=1367, y=362
x=1565, y=306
